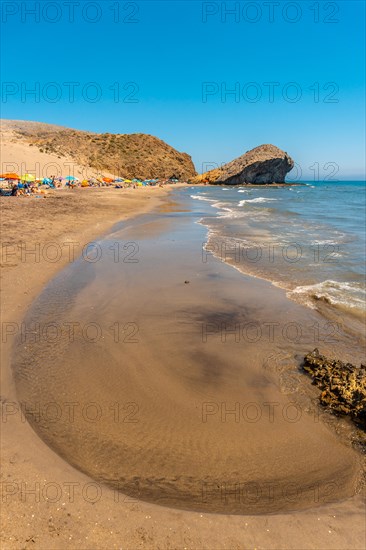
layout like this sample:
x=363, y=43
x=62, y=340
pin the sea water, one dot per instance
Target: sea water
x=307, y=238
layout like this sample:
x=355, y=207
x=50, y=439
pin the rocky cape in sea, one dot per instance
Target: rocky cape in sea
x=262, y=165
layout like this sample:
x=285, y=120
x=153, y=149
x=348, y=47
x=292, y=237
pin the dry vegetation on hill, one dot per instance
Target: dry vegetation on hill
x=126, y=155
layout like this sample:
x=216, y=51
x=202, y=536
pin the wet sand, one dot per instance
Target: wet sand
x=166, y=433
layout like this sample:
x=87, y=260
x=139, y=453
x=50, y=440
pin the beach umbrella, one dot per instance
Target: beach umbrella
x=10, y=176
x=70, y=178
x=108, y=180
x=119, y=180
x=128, y=181
x=28, y=177
x=46, y=180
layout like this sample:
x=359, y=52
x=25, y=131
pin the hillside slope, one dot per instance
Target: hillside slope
x=126, y=155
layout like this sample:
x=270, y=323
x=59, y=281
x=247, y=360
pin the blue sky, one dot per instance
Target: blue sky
x=296, y=70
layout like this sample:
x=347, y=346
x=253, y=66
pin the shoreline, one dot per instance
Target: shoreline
x=48, y=260
x=252, y=239
x=33, y=464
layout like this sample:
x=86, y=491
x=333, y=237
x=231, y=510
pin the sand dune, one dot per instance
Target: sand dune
x=64, y=151
x=18, y=156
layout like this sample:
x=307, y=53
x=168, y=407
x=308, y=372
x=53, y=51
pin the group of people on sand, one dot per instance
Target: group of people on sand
x=20, y=187
x=27, y=189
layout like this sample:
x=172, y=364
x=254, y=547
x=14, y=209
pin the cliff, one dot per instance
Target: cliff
x=264, y=164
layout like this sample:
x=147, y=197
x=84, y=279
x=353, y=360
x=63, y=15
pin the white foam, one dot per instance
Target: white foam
x=343, y=293
x=218, y=204
x=230, y=213
x=258, y=199
x=199, y=198
x=324, y=242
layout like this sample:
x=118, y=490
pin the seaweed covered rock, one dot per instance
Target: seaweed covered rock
x=343, y=385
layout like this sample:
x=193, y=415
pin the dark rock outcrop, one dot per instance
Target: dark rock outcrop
x=262, y=165
x=343, y=385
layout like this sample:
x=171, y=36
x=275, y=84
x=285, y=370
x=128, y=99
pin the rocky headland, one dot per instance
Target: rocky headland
x=265, y=164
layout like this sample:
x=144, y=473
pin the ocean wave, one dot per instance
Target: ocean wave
x=258, y=199
x=331, y=242
x=219, y=204
x=200, y=198
x=231, y=213
x=345, y=294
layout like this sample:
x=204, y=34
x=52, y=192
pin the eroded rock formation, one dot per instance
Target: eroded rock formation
x=262, y=165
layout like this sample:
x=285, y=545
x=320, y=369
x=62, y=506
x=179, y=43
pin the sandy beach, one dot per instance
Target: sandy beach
x=182, y=286
x=51, y=504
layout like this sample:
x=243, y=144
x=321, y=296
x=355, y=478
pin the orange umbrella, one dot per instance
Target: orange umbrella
x=107, y=180
x=10, y=176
